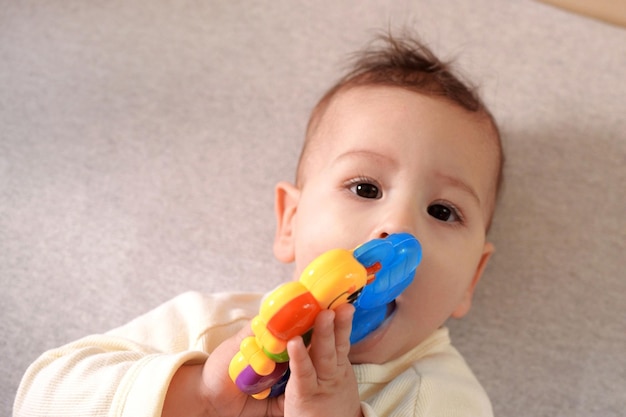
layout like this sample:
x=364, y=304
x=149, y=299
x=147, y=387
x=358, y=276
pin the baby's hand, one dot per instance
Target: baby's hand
x=225, y=397
x=322, y=382
x=207, y=389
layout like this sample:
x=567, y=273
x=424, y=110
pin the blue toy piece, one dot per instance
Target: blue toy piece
x=399, y=255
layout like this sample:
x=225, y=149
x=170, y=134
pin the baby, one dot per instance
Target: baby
x=398, y=145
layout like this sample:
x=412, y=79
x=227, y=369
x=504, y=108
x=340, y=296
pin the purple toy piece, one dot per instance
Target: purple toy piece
x=249, y=382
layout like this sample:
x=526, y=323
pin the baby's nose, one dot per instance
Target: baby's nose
x=398, y=216
x=402, y=219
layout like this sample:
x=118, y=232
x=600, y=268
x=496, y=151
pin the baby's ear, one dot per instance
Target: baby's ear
x=285, y=206
x=466, y=302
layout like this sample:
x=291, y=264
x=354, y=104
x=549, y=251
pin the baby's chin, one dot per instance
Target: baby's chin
x=375, y=347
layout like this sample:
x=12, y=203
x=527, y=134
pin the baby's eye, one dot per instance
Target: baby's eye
x=366, y=190
x=443, y=212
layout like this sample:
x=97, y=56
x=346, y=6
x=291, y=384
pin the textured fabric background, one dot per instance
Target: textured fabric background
x=140, y=143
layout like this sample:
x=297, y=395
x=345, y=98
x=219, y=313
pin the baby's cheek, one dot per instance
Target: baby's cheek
x=432, y=281
x=316, y=237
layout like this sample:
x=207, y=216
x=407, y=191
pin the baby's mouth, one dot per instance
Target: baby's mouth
x=391, y=307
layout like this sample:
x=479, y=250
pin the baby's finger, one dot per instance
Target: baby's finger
x=343, y=328
x=303, y=377
x=323, y=349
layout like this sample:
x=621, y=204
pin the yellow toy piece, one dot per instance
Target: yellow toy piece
x=334, y=278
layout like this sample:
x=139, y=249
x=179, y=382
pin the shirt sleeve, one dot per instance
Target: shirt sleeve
x=126, y=372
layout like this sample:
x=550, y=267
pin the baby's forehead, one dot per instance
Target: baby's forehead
x=346, y=103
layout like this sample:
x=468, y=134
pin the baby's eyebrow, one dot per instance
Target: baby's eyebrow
x=366, y=153
x=459, y=183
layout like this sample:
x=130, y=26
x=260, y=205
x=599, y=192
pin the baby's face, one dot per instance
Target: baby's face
x=385, y=160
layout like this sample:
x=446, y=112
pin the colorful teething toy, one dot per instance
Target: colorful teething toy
x=371, y=276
